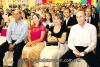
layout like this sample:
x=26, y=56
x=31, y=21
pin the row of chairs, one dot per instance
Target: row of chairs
x=8, y=58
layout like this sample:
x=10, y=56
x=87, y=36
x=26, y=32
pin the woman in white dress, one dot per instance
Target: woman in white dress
x=56, y=44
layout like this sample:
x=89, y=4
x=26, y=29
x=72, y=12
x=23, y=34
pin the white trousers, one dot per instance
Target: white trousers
x=53, y=53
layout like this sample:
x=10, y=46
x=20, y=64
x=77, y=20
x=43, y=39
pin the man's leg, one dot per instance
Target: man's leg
x=98, y=50
x=3, y=48
x=17, y=53
x=69, y=57
x=91, y=60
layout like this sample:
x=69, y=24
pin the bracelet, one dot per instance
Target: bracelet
x=85, y=52
x=57, y=39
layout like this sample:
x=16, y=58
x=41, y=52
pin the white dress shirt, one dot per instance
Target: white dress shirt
x=67, y=20
x=85, y=36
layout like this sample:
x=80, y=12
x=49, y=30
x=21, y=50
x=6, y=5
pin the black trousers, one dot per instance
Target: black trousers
x=98, y=49
x=16, y=55
x=1, y=28
x=90, y=58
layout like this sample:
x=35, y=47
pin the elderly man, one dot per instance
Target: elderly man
x=82, y=41
x=16, y=36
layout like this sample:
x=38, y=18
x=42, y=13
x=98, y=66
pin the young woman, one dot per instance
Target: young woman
x=36, y=39
x=49, y=22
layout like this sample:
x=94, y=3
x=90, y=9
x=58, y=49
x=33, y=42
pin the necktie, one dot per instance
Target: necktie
x=87, y=20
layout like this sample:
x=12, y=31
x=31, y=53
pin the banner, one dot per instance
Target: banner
x=31, y=3
x=58, y=1
x=83, y=2
x=77, y=1
x=44, y=1
x=93, y=2
x=38, y=1
x=13, y=0
x=88, y=2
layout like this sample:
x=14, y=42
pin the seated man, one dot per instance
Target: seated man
x=82, y=41
x=16, y=36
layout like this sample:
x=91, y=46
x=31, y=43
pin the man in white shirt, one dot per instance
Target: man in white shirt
x=82, y=40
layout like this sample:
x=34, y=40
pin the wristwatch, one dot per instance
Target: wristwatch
x=85, y=52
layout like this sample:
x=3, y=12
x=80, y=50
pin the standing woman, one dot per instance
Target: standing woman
x=55, y=45
x=36, y=39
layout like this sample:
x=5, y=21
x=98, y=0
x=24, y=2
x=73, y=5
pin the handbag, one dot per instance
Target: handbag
x=52, y=44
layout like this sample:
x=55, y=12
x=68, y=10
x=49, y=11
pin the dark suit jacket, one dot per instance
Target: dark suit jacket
x=70, y=22
x=95, y=23
x=74, y=18
x=96, y=17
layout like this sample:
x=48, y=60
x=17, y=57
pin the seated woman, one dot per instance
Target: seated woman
x=49, y=22
x=56, y=44
x=25, y=17
x=36, y=39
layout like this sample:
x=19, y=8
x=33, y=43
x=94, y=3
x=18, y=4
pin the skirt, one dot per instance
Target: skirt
x=33, y=52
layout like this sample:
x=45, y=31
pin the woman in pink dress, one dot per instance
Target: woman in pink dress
x=36, y=38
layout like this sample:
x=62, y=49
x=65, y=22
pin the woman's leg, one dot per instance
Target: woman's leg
x=50, y=53
x=36, y=51
x=30, y=63
x=25, y=55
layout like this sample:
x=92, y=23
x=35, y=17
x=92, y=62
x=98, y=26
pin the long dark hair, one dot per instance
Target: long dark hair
x=50, y=16
x=38, y=16
x=26, y=14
